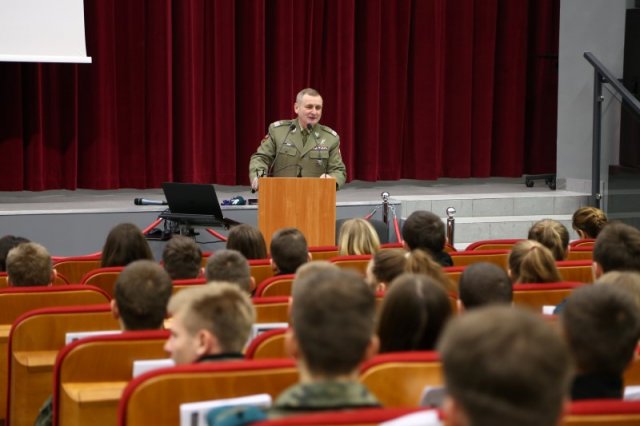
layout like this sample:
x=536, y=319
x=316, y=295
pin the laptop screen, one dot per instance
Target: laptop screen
x=192, y=198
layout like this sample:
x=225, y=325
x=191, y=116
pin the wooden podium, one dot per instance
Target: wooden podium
x=308, y=204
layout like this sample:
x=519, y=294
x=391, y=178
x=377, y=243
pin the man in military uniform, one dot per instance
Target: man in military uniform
x=300, y=147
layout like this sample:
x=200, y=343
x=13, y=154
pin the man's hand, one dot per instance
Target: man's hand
x=326, y=176
x=254, y=184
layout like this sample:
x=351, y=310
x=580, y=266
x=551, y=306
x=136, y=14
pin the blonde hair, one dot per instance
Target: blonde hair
x=357, y=236
x=531, y=262
x=420, y=262
x=553, y=235
x=223, y=309
x=588, y=221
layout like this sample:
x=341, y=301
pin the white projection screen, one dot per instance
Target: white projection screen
x=42, y=31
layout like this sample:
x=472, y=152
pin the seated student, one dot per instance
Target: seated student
x=140, y=297
x=495, y=373
x=601, y=324
x=617, y=248
x=628, y=281
x=288, y=251
x=357, y=236
x=425, y=230
x=420, y=262
x=483, y=284
x=531, y=262
x=7, y=243
x=124, y=244
x=209, y=323
x=182, y=258
x=588, y=222
x=230, y=266
x=384, y=267
x=29, y=264
x=248, y=240
x=414, y=311
x=553, y=235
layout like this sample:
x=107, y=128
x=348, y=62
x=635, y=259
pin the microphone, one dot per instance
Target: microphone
x=326, y=163
x=292, y=127
x=145, y=202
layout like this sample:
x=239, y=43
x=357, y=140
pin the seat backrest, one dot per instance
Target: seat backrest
x=632, y=373
x=154, y=398
x=84, y=394
x=60, y=279
x=576, y=270
x=608, y=412
x=34, y=342
x=279, y=285
x=323, y=252
x=580, y=253
x=356, y=262
x=271, y=309
x=468, y=257
x=75, y=267
x=104, y=278
x=453, y=273
x=267, y=345
x=260, y=269
x=535, y=296
x=586, y=242
x=398, y=379
x=498, y=244
x=187, y=283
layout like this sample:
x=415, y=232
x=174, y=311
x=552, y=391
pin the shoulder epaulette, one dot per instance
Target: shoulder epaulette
x=329, y=130
x=280, y=123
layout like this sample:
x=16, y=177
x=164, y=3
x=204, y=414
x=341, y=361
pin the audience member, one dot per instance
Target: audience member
x=531, y=262
x=602, y=325
x=182, y=258
x=288, y=251
x=124, y=244
x=308, y=269
x=617, y=248
x=357, y=236
x=209, y=323
x=588, y=222
x=553, y=235
x=332, y=334
x=384, y=266
x=230, y=266
x=414, y=312
x=483, y=284
x=7, y=243
x=503, y=366
x=248, y=240
x=140, y=296
x=29, y=264
x=420, y=262
x=628, y=281
x=425, y=230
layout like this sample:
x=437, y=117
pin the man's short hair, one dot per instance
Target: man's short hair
x=222, y=309
x=306, y=91
x=503, y=365
x=29, y=264
x=141, y=293
x=7, y=243
x=617, y=248
x=424, y=230
x=602, y=327
x=288, y=250
x=628, y=281
x=333, y=321
x=483, y=284
x=310, y=268
x=229, y=266
x=182, y=258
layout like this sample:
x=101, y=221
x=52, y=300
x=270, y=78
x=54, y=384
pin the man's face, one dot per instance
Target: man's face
x=309, y=110
x=182, y=345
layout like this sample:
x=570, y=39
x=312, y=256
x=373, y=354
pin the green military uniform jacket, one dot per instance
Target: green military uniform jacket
x=293, y=157
x=322, y=396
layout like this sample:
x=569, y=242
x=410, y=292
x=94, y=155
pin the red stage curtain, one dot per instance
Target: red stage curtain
x=183, y=90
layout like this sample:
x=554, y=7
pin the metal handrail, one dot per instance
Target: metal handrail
x=603, y=76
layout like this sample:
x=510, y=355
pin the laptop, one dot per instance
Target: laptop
x=194, y=204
